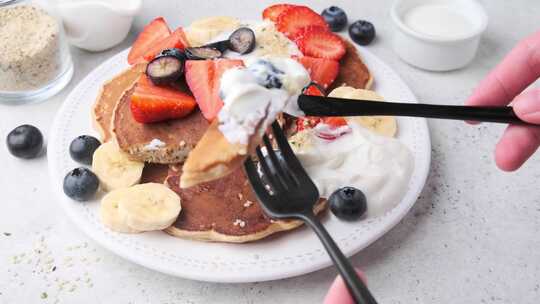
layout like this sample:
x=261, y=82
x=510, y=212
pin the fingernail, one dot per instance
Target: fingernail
x=527, y=106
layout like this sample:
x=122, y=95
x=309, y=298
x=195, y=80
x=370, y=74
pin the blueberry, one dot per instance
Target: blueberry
x=242, y=40
x=362, y=32
x=81, y=184
x=335, y=17
x=25, y=141
x=348, y=203
x=267, y=74
x=82, y=148
x=178, y=53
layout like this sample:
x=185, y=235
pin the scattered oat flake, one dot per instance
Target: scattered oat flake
x=44, y=295
x=248, y=203
x=7, y=233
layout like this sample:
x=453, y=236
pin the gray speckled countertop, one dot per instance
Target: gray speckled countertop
x=472, y=237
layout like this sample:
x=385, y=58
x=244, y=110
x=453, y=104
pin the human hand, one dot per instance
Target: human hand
x=505, y=85
x=338, y=292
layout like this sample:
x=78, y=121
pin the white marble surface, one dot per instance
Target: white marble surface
x=472, y=237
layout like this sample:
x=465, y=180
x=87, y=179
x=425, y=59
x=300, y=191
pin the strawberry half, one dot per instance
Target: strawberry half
x=175, y=40
x=302, y=32
x=272, y=12
x=322, y=71
x=150, y=103
x=154, y=32
x=321, y=44
x=293, y=19
x=203, y=78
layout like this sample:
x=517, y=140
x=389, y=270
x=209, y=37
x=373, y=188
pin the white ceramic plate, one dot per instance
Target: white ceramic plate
x=290, y=254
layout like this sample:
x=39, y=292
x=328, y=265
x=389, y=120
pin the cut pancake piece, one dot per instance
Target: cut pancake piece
x=224, y=210
x=213, y=157
x=109, y=96
x=164, y=142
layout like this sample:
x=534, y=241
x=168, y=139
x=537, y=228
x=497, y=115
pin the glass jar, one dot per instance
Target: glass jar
x=35, y=62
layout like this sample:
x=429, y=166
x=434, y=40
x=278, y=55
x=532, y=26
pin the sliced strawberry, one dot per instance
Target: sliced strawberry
x=203, y=78
x=150, y=103
x=154, y=32
x=322, y=71
x=321, y=44
x=272, y=12
x=313, y=91
x=175, y=40
x=301, y=32
x=293, y=19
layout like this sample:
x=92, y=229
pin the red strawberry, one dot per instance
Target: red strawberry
x=175, y=40
x=272, y=12
x=154, y=32
x=322, y=71
x=301, y=32
x=293, y=19
x=321, y=44
x=150, y=103
x=313, y=91
x=203, y=78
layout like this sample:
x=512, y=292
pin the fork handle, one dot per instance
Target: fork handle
x=328, y=106
x=357, y=288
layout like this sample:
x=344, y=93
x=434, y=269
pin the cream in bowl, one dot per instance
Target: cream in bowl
x=438, y=35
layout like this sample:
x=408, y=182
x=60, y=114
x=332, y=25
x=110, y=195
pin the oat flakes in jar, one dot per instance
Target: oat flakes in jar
x=35, y=62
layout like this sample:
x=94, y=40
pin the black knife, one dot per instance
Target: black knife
x=329, y=106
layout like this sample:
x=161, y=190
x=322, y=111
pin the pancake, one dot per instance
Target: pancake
x=224, y=210
x=166, y=142
x=108, y=97
x=214, y=157
x=352, y=70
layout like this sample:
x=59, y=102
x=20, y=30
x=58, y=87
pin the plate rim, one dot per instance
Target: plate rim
x=142, y=260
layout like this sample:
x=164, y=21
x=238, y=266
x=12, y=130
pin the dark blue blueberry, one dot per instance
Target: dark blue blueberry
x=335, y=17
x=267, y=74
x=82, y=148
x=242, y=40
x=81, y=184
x=25, y=141
x=348, y=203
x=362, y=32
x=178, y=53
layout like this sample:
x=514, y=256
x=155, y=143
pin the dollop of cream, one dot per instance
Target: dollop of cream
x=379, y=166
x=254, y=96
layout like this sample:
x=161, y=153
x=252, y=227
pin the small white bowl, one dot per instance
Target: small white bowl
x=438, y=53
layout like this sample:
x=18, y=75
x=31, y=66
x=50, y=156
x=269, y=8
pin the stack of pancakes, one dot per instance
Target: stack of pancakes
x=224, y=210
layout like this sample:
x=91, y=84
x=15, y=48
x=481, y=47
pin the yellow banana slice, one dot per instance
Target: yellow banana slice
x=110, y=217
x=149, y=207
x=114, y=168
x=382, y=125
x=204, y=30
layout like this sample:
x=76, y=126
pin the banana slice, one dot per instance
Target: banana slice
x=108, y=210
x=114, y=169
x=149, y=207
x=382, y=125
x=204, y=30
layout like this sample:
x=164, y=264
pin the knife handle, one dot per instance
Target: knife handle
x=328, y=106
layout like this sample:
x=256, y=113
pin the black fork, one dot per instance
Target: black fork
x=289, y=193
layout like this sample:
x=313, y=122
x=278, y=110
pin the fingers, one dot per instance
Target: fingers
x=519, y=69
x=517, y=144
x=527, y=106
x=338, y=293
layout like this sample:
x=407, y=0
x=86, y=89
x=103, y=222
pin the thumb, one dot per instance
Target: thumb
x=527, y=106
x=338, y=293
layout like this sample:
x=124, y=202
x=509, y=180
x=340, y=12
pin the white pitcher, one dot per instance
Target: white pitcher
x=96, y=25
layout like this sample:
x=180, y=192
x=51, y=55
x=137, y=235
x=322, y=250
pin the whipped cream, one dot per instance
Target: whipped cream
x=379, y=166
x=154, y=144
x=254, y=96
